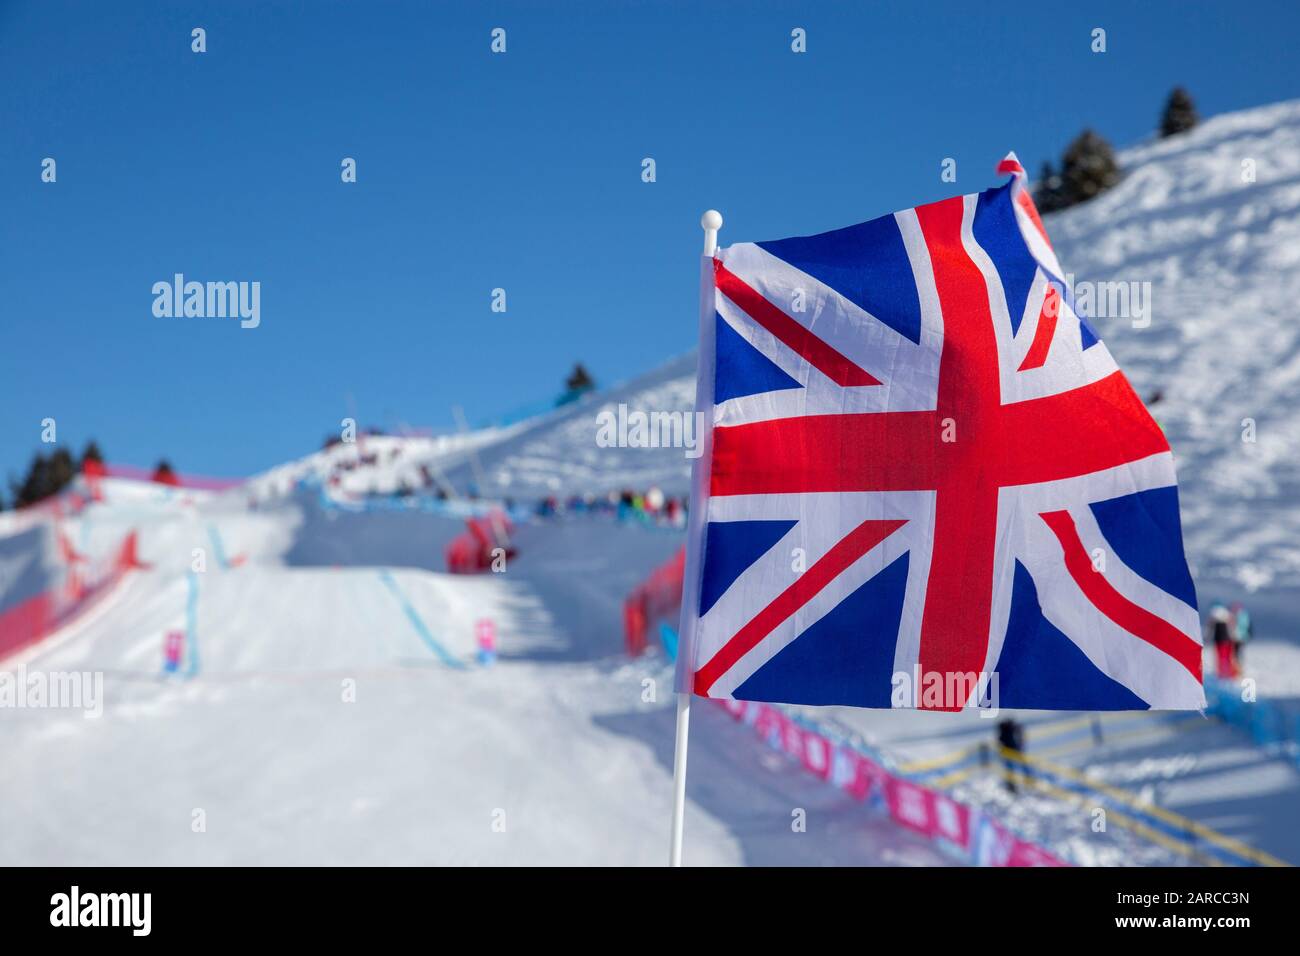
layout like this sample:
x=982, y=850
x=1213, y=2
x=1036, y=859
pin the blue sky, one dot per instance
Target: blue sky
x=477, y=171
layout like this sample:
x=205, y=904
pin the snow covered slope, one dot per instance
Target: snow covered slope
x=373, y=464
x=558, y=454
x=331, y=712
x=1222, y=255
x=321, y=715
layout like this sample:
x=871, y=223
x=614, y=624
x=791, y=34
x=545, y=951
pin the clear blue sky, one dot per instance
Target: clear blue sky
x=476, y=171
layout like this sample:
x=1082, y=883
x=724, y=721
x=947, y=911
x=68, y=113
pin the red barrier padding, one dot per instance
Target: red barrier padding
x=84, y=584
x=657, y=598
x=25, y=624
x=471, y=551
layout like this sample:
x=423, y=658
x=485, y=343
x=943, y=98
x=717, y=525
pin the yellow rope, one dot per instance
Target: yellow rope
x=1176, y=819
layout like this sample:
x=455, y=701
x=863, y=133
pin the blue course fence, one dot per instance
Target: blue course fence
x=1269, y=723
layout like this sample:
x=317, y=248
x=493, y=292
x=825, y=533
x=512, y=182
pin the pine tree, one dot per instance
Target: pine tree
x=46, y=476
x=33, y=482
x=1047, y=191
x=579, y=380
x=63, y=470
x=1088, y=168
x=1180, y=113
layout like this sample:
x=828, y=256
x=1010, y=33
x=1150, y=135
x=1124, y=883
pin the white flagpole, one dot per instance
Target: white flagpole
x=679, y=775
x=711, y=222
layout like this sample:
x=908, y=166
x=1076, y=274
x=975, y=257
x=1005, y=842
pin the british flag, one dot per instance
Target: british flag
x=925, y=468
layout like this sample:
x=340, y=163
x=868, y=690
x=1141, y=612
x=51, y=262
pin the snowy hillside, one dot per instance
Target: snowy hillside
x=374, y=465
x=320, y=715
x=559, y=454
x=555, y=453
x=1223, y=259
x=327, y=714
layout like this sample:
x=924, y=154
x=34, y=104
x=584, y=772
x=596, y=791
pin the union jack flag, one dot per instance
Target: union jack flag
x=923, y=463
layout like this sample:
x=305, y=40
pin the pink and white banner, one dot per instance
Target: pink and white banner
x=960, y=829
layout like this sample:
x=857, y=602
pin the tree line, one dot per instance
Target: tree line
x=1088, y=167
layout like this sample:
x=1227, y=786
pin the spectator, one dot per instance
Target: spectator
x=1219, y=630
x=1241, y=632
x=1011, y=744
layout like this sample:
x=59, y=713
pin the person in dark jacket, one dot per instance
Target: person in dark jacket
x=1011, y=743
x=1219, y=630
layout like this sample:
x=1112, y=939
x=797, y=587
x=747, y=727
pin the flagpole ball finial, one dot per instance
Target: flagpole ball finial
x=711, y=222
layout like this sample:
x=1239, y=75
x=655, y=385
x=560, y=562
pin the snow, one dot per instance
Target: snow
x=559, y=455
x=287, y=771
x=1223, y=343
x=558, y=740
x=555, y=743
